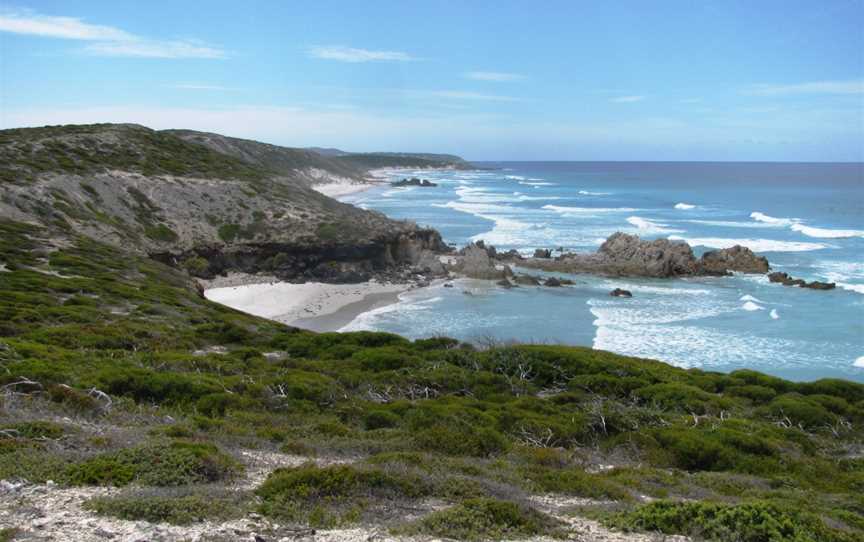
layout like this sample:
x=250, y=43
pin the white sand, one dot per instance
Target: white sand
x=286, y=302
x=335, y=190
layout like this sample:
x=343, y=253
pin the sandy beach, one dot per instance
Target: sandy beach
x=339, y=189
x=313, y=305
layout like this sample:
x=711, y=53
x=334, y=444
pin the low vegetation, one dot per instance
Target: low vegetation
x=110, y=376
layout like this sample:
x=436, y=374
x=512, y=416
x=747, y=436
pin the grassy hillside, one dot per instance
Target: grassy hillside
x=114, y=372
x=26, y=153
x=236, y=204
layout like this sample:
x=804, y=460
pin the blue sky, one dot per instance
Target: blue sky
x=498, y=80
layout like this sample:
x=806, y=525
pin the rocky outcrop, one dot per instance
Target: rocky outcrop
x=542, y=253
x=737, y=258
x=477, y=264
x=527, y=280
x=786, y=280
x=627, y=255
x=620, y=292
x=414, y=181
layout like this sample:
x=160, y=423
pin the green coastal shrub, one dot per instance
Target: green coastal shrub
x=757, y=521
x=178, y=509
x=486, y=519
x=328, y=496
x=159, y=464
x=461, y=440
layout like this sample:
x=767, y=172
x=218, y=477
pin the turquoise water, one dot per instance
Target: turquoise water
x=808, y=219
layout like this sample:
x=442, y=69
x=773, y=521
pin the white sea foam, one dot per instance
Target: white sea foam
x=859, y=362
x=535, y=184
x=824, y=233
x=589, y=193
x=749, y=297
x=646, y=226
x=515, y=177
x=730, y=223
x=750, y=306
x=587, y=211
x=762, y=217
x=858, y=288
x=774, y=314
x=756, y=245
x=684, y=206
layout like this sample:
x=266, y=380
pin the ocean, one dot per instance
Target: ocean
x=807, y=219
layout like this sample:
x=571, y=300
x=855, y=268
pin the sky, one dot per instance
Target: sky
x=498, y=80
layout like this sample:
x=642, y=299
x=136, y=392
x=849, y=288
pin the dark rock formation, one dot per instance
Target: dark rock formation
x=477, y=264
x=414, y=181
x=786, y=280
x=737, y=258
x=505, y=283
x=552, y=282
x=527, y=280
x=510, y=255
x=619, y=292
x=628, y=255
x=542, y=253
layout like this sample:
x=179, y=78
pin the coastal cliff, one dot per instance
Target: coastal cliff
x=205, y=202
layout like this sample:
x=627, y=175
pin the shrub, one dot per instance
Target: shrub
x=574, y=482
x=228, y=232
x=36, y=430
x=800, y=410
x=679, y=397
x=485, y=519
x=316, y=494
x=161, y=233
x=380, y=419
x=757, y=521
x=179, y=509
x=461, y=440
x=159, y=464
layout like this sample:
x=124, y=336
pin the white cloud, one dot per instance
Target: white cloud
x=155, y=49
x=107, y=40
x=494, y=76
x=29, y=23
x=813, y=87
x=351, y=54
x=468, y=95
x=628, y=99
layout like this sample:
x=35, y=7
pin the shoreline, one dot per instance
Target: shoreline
x=314, y=306
x=375, y=178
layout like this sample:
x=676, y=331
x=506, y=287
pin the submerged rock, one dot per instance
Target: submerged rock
x=619, y=292
x=786, y=280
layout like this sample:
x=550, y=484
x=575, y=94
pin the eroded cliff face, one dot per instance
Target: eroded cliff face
x=216, y=215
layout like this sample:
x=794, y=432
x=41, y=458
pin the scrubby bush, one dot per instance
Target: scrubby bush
x=800, y=409
x=486, y=519
x=380, y=419
x=159, y=464
x=748, y=522
x=181, y=508
x=331, y=495
x=461, y=440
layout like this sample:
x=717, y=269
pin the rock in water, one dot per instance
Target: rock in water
x=626, y=254
x=619, y=292
x=527, y=280
x=477, y=264
x=736, y=258
x=552, y=282
x=786, y=280
x=543, y=253
x=818, y=285
x=504, y=283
